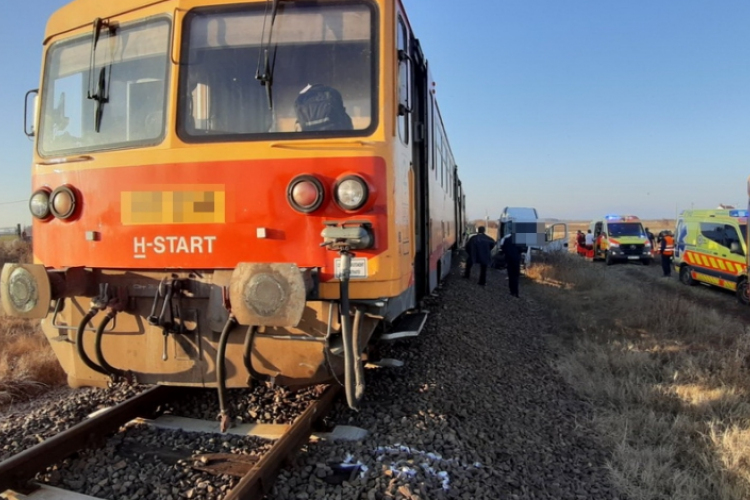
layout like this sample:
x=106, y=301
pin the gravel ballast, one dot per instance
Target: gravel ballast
x=476, y=412
x=143, y=463
x=53, y=413
x=50, y=414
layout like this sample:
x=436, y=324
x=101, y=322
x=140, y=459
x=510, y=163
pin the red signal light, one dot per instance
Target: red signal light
x=305, y=193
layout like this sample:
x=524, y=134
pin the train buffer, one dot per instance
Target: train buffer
x=410, y=325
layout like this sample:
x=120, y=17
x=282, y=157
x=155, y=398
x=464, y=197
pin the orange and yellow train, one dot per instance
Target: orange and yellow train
x=231, y=190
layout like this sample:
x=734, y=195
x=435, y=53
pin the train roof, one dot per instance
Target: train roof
x=63, y=19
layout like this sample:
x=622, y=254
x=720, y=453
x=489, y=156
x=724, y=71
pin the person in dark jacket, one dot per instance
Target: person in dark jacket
x=469, y=262
x=650, y=237
x=479, y=248
x=513, y=259
x=667, y=250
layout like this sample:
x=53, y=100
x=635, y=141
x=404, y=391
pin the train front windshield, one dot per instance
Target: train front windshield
x=108, y=96
x=243, y=71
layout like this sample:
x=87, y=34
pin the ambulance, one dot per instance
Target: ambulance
x=622, y=239
x=711, y=248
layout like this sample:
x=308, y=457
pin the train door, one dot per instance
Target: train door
x=421, y=127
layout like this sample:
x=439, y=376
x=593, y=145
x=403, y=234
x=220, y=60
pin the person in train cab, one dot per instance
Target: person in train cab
x=513, y=259
x=589, y=240
x=320, y=107
x=667, y=250
x=480, y=250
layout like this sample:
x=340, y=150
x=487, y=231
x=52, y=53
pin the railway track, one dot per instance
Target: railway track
x=256, y=475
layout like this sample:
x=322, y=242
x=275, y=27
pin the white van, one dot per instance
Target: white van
x=524, y=226
x=529, y=231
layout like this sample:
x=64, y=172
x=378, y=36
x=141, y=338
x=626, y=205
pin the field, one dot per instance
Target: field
x=665, y=368
x=27, y=364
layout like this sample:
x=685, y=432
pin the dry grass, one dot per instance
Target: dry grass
x=668, y=379
x=27, y=363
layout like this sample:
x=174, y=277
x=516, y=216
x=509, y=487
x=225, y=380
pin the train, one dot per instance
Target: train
x=230, y=192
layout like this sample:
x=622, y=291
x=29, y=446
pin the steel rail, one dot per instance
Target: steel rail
x=18, y=469
x=258, y=481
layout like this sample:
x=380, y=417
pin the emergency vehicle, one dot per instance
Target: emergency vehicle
x=710, y=248
x=620, y=238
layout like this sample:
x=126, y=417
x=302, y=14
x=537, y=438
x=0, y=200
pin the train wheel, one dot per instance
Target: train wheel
x=686, y=276
x=743, y=292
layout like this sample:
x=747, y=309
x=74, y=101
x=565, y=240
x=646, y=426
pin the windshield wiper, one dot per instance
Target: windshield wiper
x=266, y=78
x=100, y=94
x=101, y=97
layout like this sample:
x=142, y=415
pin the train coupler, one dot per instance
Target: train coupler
x=347, y=235
x=166, y=312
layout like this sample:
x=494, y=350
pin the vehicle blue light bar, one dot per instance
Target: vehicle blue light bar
x=738, y=213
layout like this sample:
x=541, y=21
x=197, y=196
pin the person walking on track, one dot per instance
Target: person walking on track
x=667, y=250
x=479, y=248
x=513, y=259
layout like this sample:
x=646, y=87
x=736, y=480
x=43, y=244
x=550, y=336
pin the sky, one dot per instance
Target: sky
x=579, y=108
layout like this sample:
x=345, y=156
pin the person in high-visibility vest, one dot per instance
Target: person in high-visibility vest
x=667, y=250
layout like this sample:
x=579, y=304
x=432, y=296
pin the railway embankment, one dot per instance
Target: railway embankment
x=477, y=411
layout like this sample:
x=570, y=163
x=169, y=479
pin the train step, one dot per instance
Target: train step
x=408, y=326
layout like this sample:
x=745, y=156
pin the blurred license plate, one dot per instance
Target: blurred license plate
x=633, y=257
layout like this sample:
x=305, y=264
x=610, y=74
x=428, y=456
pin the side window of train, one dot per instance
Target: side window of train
x=438, y=152
x=404, y=104
x=443, y=166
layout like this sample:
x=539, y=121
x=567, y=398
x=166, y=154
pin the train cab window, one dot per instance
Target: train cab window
x=310, y=71
x=404, y=82
x=113, y=98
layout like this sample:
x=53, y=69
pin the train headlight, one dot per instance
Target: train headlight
x=25, y=290
x=39, y=204
x=62, y=202
x=351, y=192
x=305, y=193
